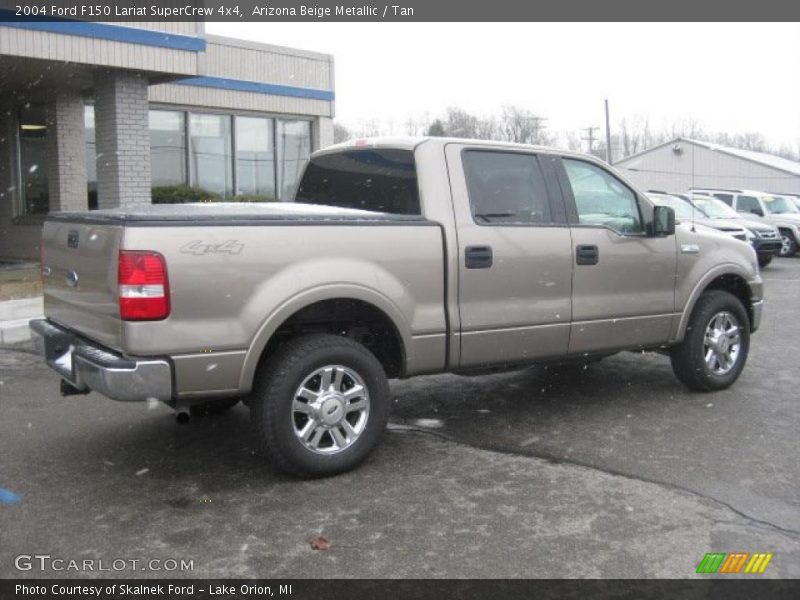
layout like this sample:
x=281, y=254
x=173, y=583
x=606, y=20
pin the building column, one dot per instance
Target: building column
x=123, y=139
x=322, y=135
x=66, y=152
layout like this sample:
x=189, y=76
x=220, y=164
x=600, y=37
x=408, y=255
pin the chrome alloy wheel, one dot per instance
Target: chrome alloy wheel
x=722, y=343
x=786, y=244
x=330, y=409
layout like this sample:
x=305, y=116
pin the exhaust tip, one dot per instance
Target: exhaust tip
x=182, y=417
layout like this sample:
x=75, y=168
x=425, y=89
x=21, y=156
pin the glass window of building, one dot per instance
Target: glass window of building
x=294, y=148
x=167, y=148
x=210, y=153
x=33, y=190
x=91, y=155
x=255, y=158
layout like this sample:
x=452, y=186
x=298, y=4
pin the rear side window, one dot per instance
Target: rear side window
x=380, y=180
x=505, y=187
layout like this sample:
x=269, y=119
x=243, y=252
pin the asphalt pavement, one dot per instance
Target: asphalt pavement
x=615, y=470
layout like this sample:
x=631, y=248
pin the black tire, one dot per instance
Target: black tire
x=687, y=358
x=273, y=416
x=213, y=407
x=789, y=247
x=764, y=260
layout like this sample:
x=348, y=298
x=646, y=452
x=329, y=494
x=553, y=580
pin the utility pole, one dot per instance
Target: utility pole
x=590, y=137
x=538, y=129
x=608, y=136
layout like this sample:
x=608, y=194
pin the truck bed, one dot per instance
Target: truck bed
x=234, y=270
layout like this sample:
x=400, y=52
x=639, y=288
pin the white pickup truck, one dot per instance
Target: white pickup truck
x=399, y=257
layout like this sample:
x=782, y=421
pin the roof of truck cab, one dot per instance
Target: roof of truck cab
x=413, y=142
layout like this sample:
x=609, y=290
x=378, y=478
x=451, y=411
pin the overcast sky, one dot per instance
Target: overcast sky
x=727, y=77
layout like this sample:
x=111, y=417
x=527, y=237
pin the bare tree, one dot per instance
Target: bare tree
x=572, y=141
x=341, y=133
x=417, y=125
x=436, y=129
x=522, y=126
x=460, y=123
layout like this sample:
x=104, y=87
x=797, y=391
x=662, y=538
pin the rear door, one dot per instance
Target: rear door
x=515, y=268
x=623, y=283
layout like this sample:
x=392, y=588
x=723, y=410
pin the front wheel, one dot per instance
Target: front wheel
x=319, y=405
x=764, y=260
x=714, y=350
x=788, y=244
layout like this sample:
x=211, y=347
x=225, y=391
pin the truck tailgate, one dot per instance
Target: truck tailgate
x=79, y=274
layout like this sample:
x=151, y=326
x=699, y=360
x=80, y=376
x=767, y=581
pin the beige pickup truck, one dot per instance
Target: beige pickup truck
x=399, y=257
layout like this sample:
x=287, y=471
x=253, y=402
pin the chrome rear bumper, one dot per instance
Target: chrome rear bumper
x=87, y=366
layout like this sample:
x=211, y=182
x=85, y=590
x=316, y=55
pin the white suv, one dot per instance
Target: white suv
x=777, y=210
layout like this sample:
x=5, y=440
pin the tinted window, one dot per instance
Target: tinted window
x=210, y=153
x=726, y=198
x=601, y=199
x=747, y=204
x=375, y=179
x=505, y=188
x=255, y=159
x=294, y=148
x=167, y=148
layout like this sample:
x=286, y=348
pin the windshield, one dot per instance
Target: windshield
x=683, y=209
x=716, y=209
x=777, y=205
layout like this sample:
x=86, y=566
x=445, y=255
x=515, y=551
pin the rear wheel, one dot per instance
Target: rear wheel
x=319, y=405
x=788, y=243
x=714, y=349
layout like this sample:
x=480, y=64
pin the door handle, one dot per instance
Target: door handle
x=587, y=255
x=478, y=257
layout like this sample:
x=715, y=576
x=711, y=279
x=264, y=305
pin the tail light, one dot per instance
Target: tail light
x=143, y=286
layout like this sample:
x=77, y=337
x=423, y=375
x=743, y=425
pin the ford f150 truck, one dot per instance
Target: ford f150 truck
x=399, y=257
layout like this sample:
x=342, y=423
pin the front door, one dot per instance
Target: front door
x=623, y=283
x=515, y=265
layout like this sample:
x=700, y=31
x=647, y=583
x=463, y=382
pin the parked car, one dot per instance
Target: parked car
x=688, y=212
x=776, y=210
x=398, y=258
x=765, y=238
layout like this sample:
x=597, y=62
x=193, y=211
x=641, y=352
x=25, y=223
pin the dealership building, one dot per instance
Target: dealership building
x=101, y=115
x=683, y=163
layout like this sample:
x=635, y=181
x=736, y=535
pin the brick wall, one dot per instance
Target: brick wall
x=66, y=153
x=123, y=140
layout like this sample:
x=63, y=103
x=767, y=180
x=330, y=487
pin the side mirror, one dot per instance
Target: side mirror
x=757, y=211
x=663, y=221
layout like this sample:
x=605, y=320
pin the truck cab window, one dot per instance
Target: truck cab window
x=601, y=199
x=505, y=187
x=379, y=180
